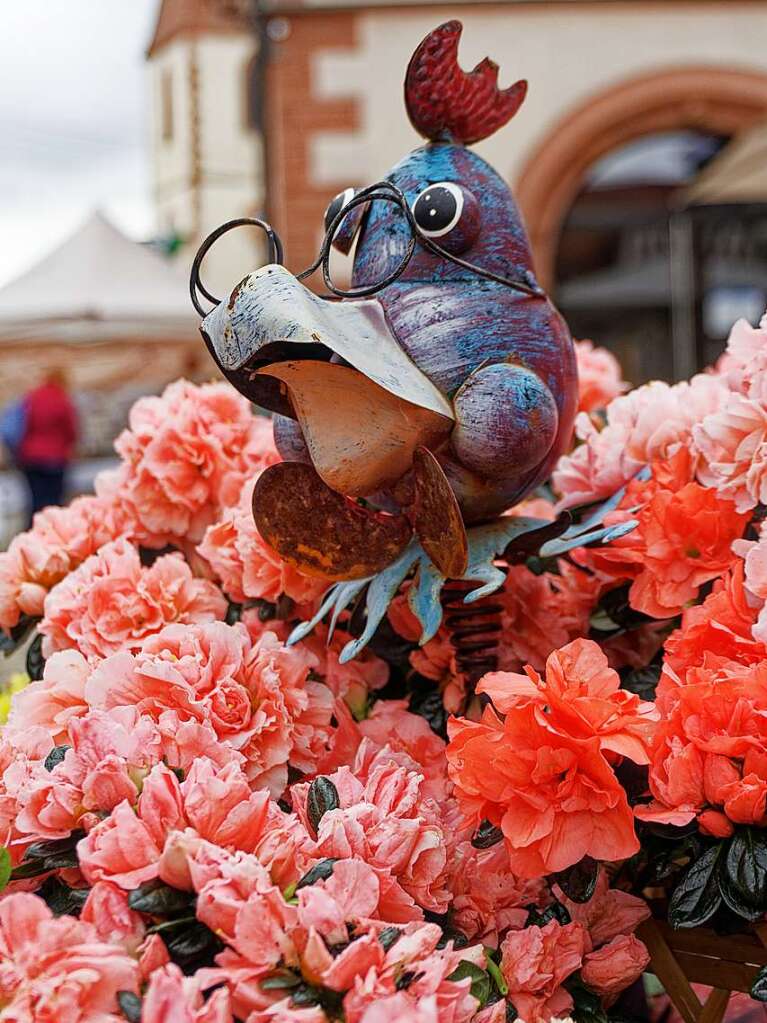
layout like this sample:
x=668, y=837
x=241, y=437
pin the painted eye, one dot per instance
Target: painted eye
x=448, y=213
x=349, y=226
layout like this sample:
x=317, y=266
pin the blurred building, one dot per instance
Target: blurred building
x=638, y=110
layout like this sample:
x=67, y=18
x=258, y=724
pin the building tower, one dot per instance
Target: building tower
x=205, y=147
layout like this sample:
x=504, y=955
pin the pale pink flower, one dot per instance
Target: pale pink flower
x=744, y=364
x=246, y=565
x=391, y=724
x=733, y=446
x=115, y=923
x=186, y=455
x=112, y=603
x=599, y=377
x=386, y=819
x=59, y=541
x=173, y=998
x=54, y=700
x=754, y=553
x=57, y=968
x=649, y=424
x=120, y=849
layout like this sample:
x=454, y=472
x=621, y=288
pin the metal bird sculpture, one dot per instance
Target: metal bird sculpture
x=436, y=393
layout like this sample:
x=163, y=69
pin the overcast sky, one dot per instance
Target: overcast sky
x=73, y=121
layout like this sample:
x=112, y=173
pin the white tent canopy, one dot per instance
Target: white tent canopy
x=97, y=286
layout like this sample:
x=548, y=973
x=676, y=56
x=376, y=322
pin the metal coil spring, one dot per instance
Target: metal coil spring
x=474, y=630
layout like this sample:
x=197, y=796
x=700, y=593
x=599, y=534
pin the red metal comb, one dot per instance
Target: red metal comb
x=443, y=100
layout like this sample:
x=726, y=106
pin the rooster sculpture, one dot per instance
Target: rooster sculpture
x=437, y=392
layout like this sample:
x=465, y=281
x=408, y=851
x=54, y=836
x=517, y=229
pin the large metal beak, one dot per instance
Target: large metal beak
x=271, y=317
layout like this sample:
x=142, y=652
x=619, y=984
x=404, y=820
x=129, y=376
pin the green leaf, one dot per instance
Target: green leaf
x=5, y=867
x=511, y=1012
x=642, y=681
x=540, y=917
x=579, y=882
x=743, y=874
x=10, y=641
x=55, y=757
x=495, y=972
x=279, y=981
x=587, y=1004
x=53, y=849
x=322, y=797
x=480, y=980
x=319, y=872
x=158, y=899
x=759, y=987
x=389, y=936
x=194, y=947
x=60, y=898
x=486, y=836
x=697, y=897
x=35, y=660
x=130, y=1006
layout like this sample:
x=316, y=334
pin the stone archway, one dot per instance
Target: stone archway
x=713, y=99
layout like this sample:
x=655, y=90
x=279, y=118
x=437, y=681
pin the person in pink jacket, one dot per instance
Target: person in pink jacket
x=49, y=439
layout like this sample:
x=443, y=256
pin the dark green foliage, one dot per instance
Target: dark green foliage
x=389, y=936
x=60, y=898
x=697, y=896
x=759, y=987
x=486, y=835
x=481, y=985
x=35, y=659
x=322, y=797
x=319, y=872
x=158, y=899
x=130, y=1006
x=579, y=882
x=55, y=757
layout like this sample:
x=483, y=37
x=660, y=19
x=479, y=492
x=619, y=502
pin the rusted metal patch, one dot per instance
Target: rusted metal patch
x=321, y=532
x=437, y=517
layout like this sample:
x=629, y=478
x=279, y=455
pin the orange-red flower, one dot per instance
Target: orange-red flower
x=711, y=634
x=710, y=752
x=580, y=697
x=555, y=797
x=683, y=539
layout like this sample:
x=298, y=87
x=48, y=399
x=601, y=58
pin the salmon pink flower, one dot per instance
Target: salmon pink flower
x=535, y=962
x=112, y=603
x=581, y=697
x=555, y=797
x=615, y=966
x=732, y=442
x=609, y=912
x=246, y=565
x=55, y=699
x=120, y=849
x=107, y=909
x=599, y=377
x=57, y=968
x=649, y=424
x=186, y=454
x=173, y=998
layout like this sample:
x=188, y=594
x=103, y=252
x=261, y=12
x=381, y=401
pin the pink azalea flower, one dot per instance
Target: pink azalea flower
x=488, y=898
x=54, y=700
x=186, y=455
x=120, y=849
x=649, y=424
x=57, y=968
x=599, y=377
x=246, y=565
x=609, y=913
x=535, y=961
x=732, y=442
x=115, y=923
x=59, y=541
x=615, y=966
x=173, y=998
x=386, y=820
x=112, y=603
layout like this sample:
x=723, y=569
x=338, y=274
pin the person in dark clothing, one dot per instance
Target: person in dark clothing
x=48, y=444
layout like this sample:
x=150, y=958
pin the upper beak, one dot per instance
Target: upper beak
x=270, y=312
x=364, y=413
